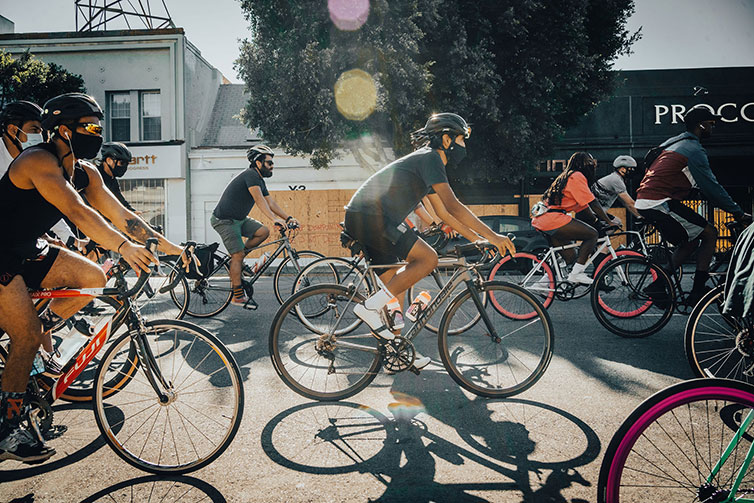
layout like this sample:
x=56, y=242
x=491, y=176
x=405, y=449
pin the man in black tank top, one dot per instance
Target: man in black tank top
x=44, y=183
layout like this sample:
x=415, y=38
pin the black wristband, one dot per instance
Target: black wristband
x=70, y=242
x=124, y=242
x=289, y=218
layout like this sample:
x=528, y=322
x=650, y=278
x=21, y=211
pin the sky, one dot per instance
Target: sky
x=676, y=33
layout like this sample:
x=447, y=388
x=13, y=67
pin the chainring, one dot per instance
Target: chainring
x=45, y=416
x=399, y=354
x=565, y=290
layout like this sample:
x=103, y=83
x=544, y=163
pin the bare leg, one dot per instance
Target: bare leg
x=73, y=271
x=20, y=321
x=579, y=231
x=422, y=260
x=236, y=262
x=258, y=238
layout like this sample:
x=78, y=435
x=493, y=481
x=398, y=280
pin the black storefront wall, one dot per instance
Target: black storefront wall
x=647, y=108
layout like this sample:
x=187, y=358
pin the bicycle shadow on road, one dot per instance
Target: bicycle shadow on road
x=163, y=488
x=402, y=453
x=67, y=443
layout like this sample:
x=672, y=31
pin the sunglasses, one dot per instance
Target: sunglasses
x=269, y=163
x=91, y=127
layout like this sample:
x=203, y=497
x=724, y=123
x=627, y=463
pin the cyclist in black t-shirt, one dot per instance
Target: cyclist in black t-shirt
x=375, y=214
x=230, y=217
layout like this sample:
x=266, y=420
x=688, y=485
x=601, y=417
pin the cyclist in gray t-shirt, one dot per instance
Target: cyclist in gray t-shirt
x=611, y=187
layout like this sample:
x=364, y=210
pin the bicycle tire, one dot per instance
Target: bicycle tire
x=620, y=303
x=296, y=359
x=716, y=344
x=655, y=444
x=211, y=295
x=285, y=276
x=433, y=283
x=522, y=354
x=168, y=305
x=333, y=271
x=223, y=391
x=514, y=269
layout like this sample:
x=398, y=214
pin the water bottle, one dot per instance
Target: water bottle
x=107, y=265
x=394, y=314
x=260, y=262
x=418, y=305
x=73, y=342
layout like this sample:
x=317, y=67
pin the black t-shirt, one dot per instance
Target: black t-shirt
x=236, y=201
x=395, y=190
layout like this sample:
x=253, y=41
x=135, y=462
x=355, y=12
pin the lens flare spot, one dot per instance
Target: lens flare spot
x=355, y=95
x=348, y=15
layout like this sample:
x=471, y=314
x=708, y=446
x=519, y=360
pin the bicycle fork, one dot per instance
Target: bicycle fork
x=731, y=496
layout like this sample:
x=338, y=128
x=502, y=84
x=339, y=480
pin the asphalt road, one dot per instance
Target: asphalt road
x=405, y=438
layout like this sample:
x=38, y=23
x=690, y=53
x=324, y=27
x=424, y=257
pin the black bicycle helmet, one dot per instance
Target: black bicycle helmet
x=115, y=150
x=20, y=112
x=69, y=107
x=439, y=124
x=258, y=151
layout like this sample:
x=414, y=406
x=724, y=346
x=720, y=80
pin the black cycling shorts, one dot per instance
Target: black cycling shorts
x=677, y=223
x=33, y=270
x=383, y=243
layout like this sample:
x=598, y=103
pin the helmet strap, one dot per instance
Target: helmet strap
x=14, y=139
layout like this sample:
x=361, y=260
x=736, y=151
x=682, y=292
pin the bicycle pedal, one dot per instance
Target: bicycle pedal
x=251, y=305
x=414, y=370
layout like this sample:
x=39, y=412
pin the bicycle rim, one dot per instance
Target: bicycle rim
x=336, y=371
x=284, y=280
x=154, y=305
x=504, y=366
x=668, y=446
x=203, y=413
x=619, y=300
x=515, y=270
x=718, y=345
x=209, y=296
x=333, y=270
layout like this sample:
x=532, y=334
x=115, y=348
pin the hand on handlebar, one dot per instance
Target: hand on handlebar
x=504, y=245
x=188, y=257
x=138, y=257
x=448, y=231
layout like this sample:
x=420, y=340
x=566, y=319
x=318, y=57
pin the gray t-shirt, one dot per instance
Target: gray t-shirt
x=395, y=190
x=236, y=201
x=607, y=188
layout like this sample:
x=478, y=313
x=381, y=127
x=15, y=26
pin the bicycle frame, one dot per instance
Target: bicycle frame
x=284, y=245
x=744, y=465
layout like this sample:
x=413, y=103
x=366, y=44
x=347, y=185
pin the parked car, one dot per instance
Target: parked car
x=527, y=239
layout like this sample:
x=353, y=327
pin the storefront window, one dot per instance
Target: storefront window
x=148, y=197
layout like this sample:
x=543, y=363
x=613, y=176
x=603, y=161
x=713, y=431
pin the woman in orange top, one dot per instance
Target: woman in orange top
x=570, y=192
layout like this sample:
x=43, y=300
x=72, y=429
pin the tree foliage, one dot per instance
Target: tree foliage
x=519, y=71
x=27, y=78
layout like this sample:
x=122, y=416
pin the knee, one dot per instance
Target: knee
x=237, y=257
x=431, y=261
x=263, y=233
x=709, y=233
x=93, y=277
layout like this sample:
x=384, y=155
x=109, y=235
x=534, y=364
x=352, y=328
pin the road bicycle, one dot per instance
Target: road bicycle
x=211, y=294
x=636, y=296
x=168, y=395
x=689, y=442
x=546, y=275
x=318, y=352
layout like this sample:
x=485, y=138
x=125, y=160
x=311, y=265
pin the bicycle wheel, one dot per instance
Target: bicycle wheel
x=152, y=304
x=285, y=276
x=667, y=448
x=205, y=398
x=344, y=364
x=433, y=284
x=506, y=363
x=515, y=269
x=208, y=296
x=620, y=301
x=718, y=345
x=333, y=270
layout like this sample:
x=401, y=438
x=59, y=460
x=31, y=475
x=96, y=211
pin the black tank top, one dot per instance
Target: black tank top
x=25, y=215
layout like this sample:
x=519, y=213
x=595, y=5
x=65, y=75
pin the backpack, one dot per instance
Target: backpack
x=206, y=255
x=653, y=153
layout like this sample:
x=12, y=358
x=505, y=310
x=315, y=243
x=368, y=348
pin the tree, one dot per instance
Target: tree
x=519, y=70
x=27, y=78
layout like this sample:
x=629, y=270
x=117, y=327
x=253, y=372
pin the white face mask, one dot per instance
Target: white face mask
x=31, y=140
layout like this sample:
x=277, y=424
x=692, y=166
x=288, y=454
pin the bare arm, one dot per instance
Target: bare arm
x=449, y=219
x=597, y=209
x=629, y=203
x=465, y=217
x=124, y=219
x=276, y=209
x=424, y=215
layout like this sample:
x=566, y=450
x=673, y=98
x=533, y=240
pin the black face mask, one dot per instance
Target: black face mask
x=455, y=153
x=85, y=146
x=119, y=169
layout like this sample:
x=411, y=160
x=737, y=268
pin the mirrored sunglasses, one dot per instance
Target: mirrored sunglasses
x=91, y=127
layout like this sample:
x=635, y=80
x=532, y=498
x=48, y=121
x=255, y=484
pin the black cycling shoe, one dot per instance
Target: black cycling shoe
x=658, y=294
x=21, y=445
x=696, y=295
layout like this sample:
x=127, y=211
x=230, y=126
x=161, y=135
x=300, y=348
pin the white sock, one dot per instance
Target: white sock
x=577, y=268
x=378, y=300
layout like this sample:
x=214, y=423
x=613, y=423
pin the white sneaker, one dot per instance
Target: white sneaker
x=580, y=278
x=542, y=284
x=374, y=320
x=422, y=362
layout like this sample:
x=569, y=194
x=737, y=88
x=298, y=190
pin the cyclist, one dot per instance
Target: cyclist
x=42, y=184
x=681, y=166
x=21, y=126
x=570, y=192
x=113, y=164
x=613, y=186
x=231, y=221
x=375, y=214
